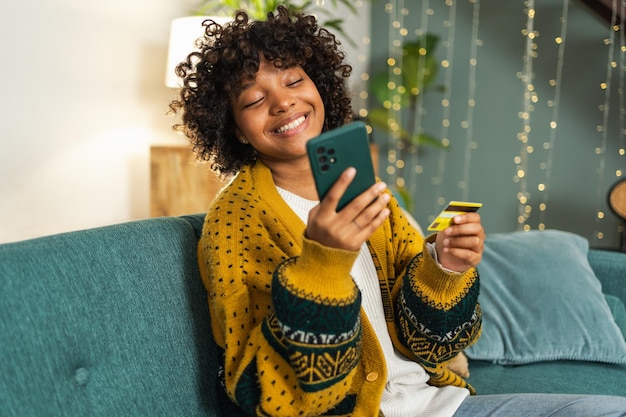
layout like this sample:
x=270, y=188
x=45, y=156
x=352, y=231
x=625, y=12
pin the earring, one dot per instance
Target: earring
x=243, y=140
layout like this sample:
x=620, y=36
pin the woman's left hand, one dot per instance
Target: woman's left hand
x=460, y=246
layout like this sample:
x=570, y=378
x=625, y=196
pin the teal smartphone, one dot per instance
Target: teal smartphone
x=332, y=152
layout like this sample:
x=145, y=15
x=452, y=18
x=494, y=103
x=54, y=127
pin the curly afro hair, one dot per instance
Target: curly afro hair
x=229, y=54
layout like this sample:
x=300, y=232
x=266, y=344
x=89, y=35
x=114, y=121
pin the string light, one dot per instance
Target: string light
x=468, y=123
x=395, y=10
x=544, y=188
x=403, y=154
x=417, y=127
x=622, y=110
x=533, y=199
x=621, y=151
x=445, y=104
x=604, y=128
x=363, y=94
x=521, y=161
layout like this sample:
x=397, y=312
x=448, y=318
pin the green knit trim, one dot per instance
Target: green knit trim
x=316, y=367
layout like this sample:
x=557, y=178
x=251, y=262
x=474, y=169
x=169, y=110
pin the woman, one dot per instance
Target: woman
x=317, y=311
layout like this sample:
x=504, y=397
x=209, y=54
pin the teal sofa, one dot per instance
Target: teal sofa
x=113, y=321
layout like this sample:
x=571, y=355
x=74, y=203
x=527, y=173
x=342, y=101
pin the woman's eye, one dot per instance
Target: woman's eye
x=252, y=103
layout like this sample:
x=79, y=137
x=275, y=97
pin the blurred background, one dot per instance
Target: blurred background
x=520, y=106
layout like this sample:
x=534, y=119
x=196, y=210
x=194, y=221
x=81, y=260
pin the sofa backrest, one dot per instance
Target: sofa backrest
x=110, y=321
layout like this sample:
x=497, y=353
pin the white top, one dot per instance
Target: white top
x=407, y=393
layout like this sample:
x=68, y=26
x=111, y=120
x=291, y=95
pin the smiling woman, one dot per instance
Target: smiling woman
x=343, y=310
x=278, y=263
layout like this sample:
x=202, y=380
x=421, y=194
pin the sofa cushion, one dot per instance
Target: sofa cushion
x=557, y=377
x=541, y=301
x=610, y=268
x=618, y=310
x=106, y=322
x=196, y=221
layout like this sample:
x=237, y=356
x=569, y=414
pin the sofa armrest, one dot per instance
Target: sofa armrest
x=111, y=321
x=610, y=268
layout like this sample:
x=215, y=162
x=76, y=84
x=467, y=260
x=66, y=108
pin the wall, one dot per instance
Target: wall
x=83, y=100
x=576, y=190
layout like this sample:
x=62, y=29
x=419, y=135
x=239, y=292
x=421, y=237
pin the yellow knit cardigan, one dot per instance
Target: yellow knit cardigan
x=286, y=312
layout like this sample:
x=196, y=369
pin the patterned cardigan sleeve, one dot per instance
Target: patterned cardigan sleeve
x=292, y=350
x=436, y=312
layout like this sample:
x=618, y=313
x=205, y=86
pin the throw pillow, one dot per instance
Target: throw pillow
x=541, y=301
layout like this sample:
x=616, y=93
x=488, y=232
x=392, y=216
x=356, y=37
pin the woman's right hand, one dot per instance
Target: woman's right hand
x=349, y=228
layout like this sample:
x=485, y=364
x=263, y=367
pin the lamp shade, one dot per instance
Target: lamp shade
x=184, y=31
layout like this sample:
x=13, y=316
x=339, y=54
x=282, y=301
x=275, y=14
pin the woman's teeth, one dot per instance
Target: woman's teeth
x=291, y=125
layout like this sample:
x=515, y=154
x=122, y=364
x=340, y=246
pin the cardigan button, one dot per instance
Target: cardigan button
x=372, y=376
x=81, y=376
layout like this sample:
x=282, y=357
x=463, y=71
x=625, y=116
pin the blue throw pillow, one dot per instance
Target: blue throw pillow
x=541, y=301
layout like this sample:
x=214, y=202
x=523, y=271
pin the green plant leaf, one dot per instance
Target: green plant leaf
x=425, y=139
x=418, y=70
x=258, y=10
x=380, y=117
x=379, y=86
x=348, y=3
x=337, y=26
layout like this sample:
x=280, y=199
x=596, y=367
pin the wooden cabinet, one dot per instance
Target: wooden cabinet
x=179, y=183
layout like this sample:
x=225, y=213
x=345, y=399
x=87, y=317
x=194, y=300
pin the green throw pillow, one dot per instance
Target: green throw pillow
x=541, y=301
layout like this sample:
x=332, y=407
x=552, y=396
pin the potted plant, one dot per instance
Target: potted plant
x=185, y=30
x=258, y=9
x=418, y=72
x=398, y=95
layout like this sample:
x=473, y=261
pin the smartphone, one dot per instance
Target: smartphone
x=445, y=218
x=332, y=152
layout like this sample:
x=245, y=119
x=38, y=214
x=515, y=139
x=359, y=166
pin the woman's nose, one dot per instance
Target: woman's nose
x=282, y=101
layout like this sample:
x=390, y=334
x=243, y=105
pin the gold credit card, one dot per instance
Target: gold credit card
x=454, y=208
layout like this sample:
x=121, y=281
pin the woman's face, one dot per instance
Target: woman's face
x=278, y=112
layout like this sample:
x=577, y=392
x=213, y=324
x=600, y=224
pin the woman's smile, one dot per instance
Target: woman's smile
x=291, y=125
